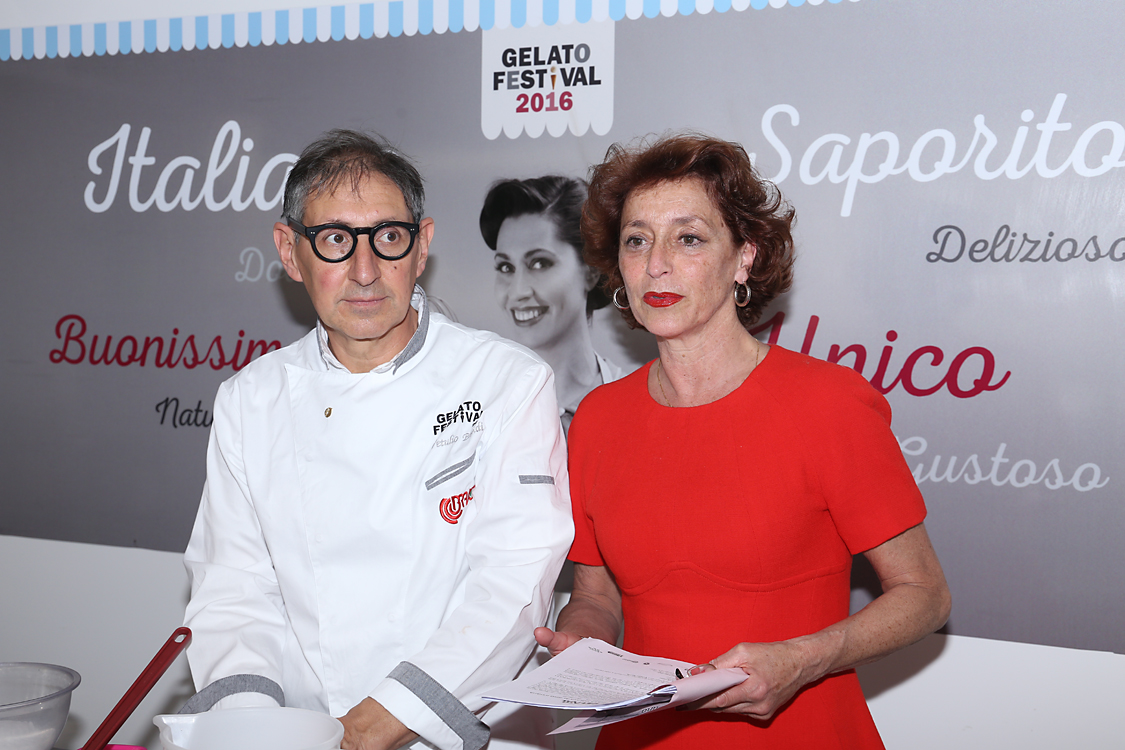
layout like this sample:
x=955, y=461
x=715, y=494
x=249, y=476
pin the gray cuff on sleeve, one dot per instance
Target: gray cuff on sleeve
x=237, y=683
x=473, y=732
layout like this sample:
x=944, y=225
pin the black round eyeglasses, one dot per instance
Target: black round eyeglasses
x=335, y=243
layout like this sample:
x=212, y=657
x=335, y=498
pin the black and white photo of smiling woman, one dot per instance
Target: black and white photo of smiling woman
x=542, y=283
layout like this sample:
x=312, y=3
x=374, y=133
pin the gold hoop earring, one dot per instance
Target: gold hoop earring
x=742, y=294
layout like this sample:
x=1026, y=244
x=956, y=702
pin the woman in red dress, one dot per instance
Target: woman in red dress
x=720, y=492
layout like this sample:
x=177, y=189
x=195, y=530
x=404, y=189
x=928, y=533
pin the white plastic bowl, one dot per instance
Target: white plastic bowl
x=250, y=729
x=34, y=704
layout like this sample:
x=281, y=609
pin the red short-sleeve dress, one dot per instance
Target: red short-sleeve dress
x=737, y=521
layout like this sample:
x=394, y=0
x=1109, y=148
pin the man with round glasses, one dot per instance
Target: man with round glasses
x=386, y=507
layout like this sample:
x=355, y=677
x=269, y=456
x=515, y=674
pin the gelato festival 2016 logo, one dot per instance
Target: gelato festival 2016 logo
x=547, y=77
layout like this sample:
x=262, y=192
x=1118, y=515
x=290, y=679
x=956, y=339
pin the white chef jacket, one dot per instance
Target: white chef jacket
x=351, y=522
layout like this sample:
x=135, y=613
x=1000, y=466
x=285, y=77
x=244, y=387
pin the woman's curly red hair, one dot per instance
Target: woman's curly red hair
x=752, y=208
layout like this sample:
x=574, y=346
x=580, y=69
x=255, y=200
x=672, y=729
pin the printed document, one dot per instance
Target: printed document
x=609, y=685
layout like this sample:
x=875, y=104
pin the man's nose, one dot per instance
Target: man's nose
x=366, y=267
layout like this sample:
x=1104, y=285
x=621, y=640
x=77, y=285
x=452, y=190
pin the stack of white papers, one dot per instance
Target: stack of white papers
x=609, y=685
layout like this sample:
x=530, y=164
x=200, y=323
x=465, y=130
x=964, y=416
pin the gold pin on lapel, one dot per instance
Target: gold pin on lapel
x=328, y=412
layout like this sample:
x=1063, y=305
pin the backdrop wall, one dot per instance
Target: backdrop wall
x=956, y=170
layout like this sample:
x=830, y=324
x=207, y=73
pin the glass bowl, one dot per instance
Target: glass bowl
x=34, y=704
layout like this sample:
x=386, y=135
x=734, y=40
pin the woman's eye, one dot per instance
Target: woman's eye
x=634, y=241
x=691, y=240
x=505, y=267
x=540, y=264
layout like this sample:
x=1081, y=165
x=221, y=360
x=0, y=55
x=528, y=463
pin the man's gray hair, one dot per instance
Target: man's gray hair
x=350, y=155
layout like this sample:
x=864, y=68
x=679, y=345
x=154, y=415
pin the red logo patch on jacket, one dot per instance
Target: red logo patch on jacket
x=452, y=507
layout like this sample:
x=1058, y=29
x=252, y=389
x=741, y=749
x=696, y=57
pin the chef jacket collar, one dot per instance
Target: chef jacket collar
x=420, y=303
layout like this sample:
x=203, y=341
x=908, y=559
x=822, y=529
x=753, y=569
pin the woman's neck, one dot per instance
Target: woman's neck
x=698, y=370
x=574, y=363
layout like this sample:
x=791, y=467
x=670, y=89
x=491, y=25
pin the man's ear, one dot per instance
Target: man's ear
x=425, y=236
x=285, y=239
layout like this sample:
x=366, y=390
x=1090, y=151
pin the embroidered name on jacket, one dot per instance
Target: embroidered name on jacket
x=451, y=508
x=468, y=412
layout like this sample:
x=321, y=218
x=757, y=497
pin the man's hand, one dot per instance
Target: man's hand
x=369, y=726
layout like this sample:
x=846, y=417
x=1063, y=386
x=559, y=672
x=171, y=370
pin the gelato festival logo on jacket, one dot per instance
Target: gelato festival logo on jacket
x=451, y=508
x=468, y=412
x=547, y=77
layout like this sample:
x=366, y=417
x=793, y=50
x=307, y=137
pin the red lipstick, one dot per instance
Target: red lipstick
x=662, y=299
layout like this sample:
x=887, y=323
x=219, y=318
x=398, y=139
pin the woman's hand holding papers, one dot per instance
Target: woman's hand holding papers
x=555, y=641
x=594, y=611
x=914, y=603
x=776, y=671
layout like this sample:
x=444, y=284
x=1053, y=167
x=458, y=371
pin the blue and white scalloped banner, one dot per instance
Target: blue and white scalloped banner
x=348, y=21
